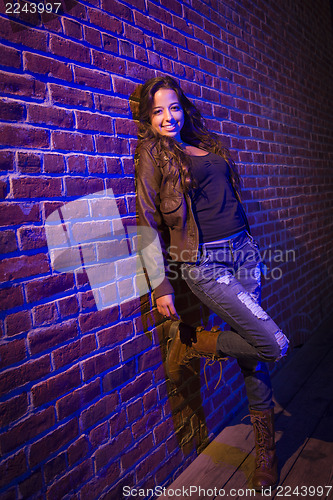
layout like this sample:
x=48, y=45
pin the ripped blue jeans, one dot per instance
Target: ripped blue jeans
x=227, y=280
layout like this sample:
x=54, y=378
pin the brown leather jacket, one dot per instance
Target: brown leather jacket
x=162, y=205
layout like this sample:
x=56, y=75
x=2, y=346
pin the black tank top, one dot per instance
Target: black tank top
x=216, y=209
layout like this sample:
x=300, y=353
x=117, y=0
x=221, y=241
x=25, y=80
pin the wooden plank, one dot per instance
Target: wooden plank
x=227, y=462
x=314, y=465
x=298, y=421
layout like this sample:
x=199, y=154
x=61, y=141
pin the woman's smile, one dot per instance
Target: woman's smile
x=167, y=116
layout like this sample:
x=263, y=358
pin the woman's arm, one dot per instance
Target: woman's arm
x=148, y=180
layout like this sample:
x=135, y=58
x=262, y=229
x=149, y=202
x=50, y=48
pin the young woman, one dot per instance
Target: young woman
x=188, y=191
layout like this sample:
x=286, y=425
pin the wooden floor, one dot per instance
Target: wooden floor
x=304, y=431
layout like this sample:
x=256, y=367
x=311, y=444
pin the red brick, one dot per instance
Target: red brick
x=101, y=482
x=118, y=9
x=138, y=386
x=93, y=121
x=97, y=319
x=136, y=346
x=162, y=431
x=123, y=86
x=6, y=160
x=55, y=467
x=31, y=237
x=76, y=164
x=56, y=386
x=74, y=351
x=68, y=306
x=108, y=62
x=150, y=463
x=120, y=376
x=35, y=187
x=28, y=163
x=71, y=50
x=71, y=481
x=99, y=411
x=32, y=485
x=10, y=57
x=146, y=423
x=149, y=400
x=111, y=450
x=27, y=429
x=96, y=165
x=21, y=85
x=48, y=286
x=137, y=452
x=27, y=372
x=112, y=104
x=159, y=13
x=77, y=399
x=117, y=422
x=11, y=111
x=99, y=435
x=12, y=468
x=36, y=63
x=40, y=450
x=7, y=242
x=173, y=5
x=78, y=450
x=54, y=163
x=28, y=137
x=80, y=186
x=121, y=186
x=70, y=96
x=18, y=322
x=148, y=24
x=41, y=339
x=12, y=352
x=92, y=36
x=110, y=43
x=100, y=363
x=23, y=267
x=113, y=334
x=44, y=314
x=125, y=127
x=50, y=115
x=92, y=78
x=18, y=213
x=133, y=33
x=29, y=37
x=105, y=21
x=13, y=409
x=72, y=29
x=69, y=141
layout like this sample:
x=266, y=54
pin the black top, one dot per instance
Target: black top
x=216, y=209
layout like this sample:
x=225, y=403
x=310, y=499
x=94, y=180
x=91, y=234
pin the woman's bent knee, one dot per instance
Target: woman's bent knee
x=277, y=348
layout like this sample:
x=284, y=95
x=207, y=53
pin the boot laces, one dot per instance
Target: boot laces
x=261, y=437
x=210, y=360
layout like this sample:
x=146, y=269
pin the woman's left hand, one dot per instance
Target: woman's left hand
x=166, y=307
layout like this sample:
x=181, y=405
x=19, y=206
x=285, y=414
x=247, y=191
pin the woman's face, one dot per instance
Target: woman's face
x=167, y=117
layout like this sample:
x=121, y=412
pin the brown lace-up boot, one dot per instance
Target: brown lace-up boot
x=181, y=353
x=265, y=474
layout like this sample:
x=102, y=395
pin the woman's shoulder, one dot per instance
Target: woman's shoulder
x=149, y=146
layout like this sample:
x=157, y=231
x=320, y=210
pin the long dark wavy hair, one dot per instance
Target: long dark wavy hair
x=194, y=132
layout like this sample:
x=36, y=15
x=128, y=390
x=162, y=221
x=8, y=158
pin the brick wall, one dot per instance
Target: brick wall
x=85, y=406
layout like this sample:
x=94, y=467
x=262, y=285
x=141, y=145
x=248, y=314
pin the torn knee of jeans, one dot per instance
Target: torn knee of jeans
x=283, y=343
x=224, y=279
x=252, y=305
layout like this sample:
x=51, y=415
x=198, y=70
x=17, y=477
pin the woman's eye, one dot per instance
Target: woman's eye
x=175, y=108
x=156, y=112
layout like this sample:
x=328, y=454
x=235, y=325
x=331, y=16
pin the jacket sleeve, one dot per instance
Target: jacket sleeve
x=148, y=179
